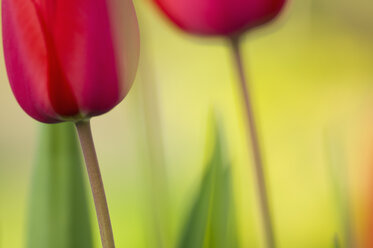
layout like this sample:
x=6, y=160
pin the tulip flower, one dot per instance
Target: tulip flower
x=70, y=60
x=230, y=19
x=220, y=17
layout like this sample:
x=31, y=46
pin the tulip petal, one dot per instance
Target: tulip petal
x=81, y=33
x=60, y=92
x=26, y=59
x=126, y=41
x=220, y=17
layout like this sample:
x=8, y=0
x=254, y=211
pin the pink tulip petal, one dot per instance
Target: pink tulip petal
x=84, y=46
x=126, y=39
x=220, y=17
x=60, y=92
x=25, y=57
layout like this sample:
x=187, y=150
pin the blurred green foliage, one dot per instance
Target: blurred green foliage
x=210, y=222
x=59, y=213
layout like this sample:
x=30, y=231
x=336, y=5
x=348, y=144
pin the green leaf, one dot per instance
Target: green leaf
x=337, y=243
x=222, y=232
x=59, y=212
x=210, y=221
x=195, y=226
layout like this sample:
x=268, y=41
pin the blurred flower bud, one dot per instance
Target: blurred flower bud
x=220, y=17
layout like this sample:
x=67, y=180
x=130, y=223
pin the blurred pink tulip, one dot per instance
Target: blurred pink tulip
x=220, y=17
x=69, y=59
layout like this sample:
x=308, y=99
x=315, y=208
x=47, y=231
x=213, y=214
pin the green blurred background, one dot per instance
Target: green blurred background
x=311, y=74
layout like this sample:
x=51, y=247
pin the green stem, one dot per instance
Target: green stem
x=98, y=191
x=256, y=151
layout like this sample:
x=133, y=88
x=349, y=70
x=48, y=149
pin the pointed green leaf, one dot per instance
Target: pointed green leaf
x=193, y=234
x=337, y=243
x=210, y=222
x=59, y=213
x=222, y=232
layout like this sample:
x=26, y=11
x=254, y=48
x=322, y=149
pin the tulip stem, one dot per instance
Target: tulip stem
x=97, y=186
x=252, y=134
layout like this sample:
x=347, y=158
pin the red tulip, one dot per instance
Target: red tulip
x=69, y=59
x=220, y=17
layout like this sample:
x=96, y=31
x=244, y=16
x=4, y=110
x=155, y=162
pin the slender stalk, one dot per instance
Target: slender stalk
x=98, y=191
x=252, y=134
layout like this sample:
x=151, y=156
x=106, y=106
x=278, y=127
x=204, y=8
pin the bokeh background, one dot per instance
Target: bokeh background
x=312, y=82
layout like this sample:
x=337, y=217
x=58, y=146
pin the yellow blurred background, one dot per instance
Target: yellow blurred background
x=312, y=81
